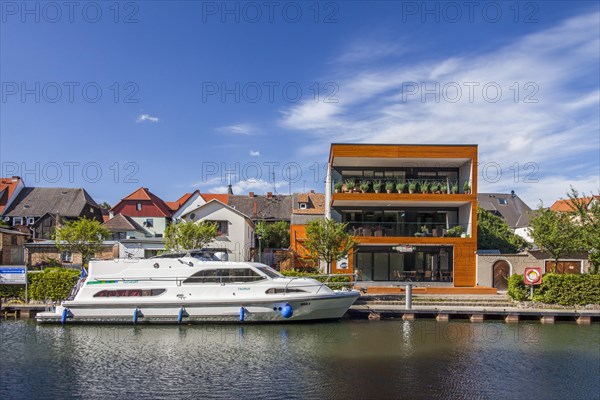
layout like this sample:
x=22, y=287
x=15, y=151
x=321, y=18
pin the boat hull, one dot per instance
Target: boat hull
x=304, y=308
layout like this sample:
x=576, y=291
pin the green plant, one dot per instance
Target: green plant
x=455, y=231
x=563, y=289
x=327, y=240
x=412, y=186
x=364, y=186
x=423, y=186
x=400, y=186
x=52, y=283
x=389, y=186
x=467, y=187
x=350, y=184
x=444, y=187
x=274, y=234
x=377, y=184
x=188, y=235
x=516, y=288
x=435, y=187
x=454, y=187
x=83, y=236
x=338, y=186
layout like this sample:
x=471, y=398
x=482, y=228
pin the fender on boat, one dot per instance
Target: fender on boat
x=135, y=315
x=287, y=311
x=242, y=313
x=181, y=314
x=64, y=316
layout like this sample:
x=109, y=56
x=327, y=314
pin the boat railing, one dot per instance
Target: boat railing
x=324, y=283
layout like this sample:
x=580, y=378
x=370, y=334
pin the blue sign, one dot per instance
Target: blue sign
x=13, y=275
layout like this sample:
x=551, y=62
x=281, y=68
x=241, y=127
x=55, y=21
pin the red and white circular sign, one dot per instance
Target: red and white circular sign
x=532, y=276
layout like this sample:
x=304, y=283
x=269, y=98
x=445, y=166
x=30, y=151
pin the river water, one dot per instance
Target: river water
x=336, y=360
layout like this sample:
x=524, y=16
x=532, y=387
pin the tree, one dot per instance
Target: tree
x=585, y=212
x=105, y=205
x=493, y=233
x=276, y=234
x=83, y=236
x=327, y=240
x=555, y=233
x=188, y=235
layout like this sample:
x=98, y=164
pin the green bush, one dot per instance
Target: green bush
x=516, y=288
x=52, y=283
x=12, y=292
x=313, y=274
x=563, y=289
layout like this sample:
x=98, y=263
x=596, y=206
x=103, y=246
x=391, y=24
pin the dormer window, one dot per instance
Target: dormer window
x=138, y=206
x=303, y=206
x=18, y=221
x=503, y=201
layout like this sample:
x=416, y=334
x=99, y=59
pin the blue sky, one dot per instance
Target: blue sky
x=192, y=90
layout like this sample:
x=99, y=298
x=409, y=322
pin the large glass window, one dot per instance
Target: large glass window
x=415, y=263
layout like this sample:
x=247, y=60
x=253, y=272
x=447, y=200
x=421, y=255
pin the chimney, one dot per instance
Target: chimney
x=512, y=193
x=254, y=210
x=269, y=195
x=250, y=194
x=312, y=191
x=16, y=178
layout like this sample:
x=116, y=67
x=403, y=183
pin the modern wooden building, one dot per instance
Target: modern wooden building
x=412, y=208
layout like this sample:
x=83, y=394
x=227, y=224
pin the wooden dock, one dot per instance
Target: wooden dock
x=474, y=314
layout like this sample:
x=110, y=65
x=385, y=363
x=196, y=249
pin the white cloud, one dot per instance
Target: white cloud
x=240, y=129
x=551, y=121
x=255, y=153
x=146, y=117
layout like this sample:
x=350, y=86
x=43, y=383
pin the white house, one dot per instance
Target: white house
x=236, y=230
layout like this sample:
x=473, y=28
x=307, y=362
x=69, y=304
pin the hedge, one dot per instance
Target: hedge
x=563, y=289
x=314, y=275
x=52, y=283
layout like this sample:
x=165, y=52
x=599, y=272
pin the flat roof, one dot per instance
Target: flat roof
x=403, y=144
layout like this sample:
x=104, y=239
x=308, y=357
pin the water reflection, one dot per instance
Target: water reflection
x=349, y=359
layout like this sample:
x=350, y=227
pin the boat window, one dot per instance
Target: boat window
x=270, y=272
x=283, y=290
x=130, y=293
x=224, y=275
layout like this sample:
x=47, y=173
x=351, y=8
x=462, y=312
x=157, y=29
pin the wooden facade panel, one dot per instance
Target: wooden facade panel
x=402, y=151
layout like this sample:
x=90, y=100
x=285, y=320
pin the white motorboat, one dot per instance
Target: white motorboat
x=189, y=289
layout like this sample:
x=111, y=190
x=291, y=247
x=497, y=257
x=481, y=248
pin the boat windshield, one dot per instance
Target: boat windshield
x=270, y=272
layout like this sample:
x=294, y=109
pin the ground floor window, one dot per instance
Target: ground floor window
x=414, y=263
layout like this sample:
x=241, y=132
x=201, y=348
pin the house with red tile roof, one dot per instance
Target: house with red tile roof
x=567, y=205
x=147, y=210
x=193, y=200
x=9, y=190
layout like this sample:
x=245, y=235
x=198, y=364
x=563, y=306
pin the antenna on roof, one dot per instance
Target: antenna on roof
x=274, y=189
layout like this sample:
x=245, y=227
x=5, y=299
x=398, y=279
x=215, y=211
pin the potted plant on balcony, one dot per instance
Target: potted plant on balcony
x=456, y=231
x=389, y=186
x=435, y=187
x=377, y=186
x=400, y=186
x=337, y=187
x=467, y=187
x=364, y=186
x=423, y=186
x=412, y=187
x=350, y=185
x=444, y=187
x=454, y=187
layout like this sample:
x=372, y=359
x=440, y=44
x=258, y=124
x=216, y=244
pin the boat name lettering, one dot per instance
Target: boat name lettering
x=130, y=281
x=243, y=288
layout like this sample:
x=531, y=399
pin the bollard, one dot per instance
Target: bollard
x=409, y=296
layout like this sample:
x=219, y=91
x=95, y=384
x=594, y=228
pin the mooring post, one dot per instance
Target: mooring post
x=409, y=296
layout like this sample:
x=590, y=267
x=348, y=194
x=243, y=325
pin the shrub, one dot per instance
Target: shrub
x=12, y=292
x=563, y=289
x=516, y=288
x=53, y=283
